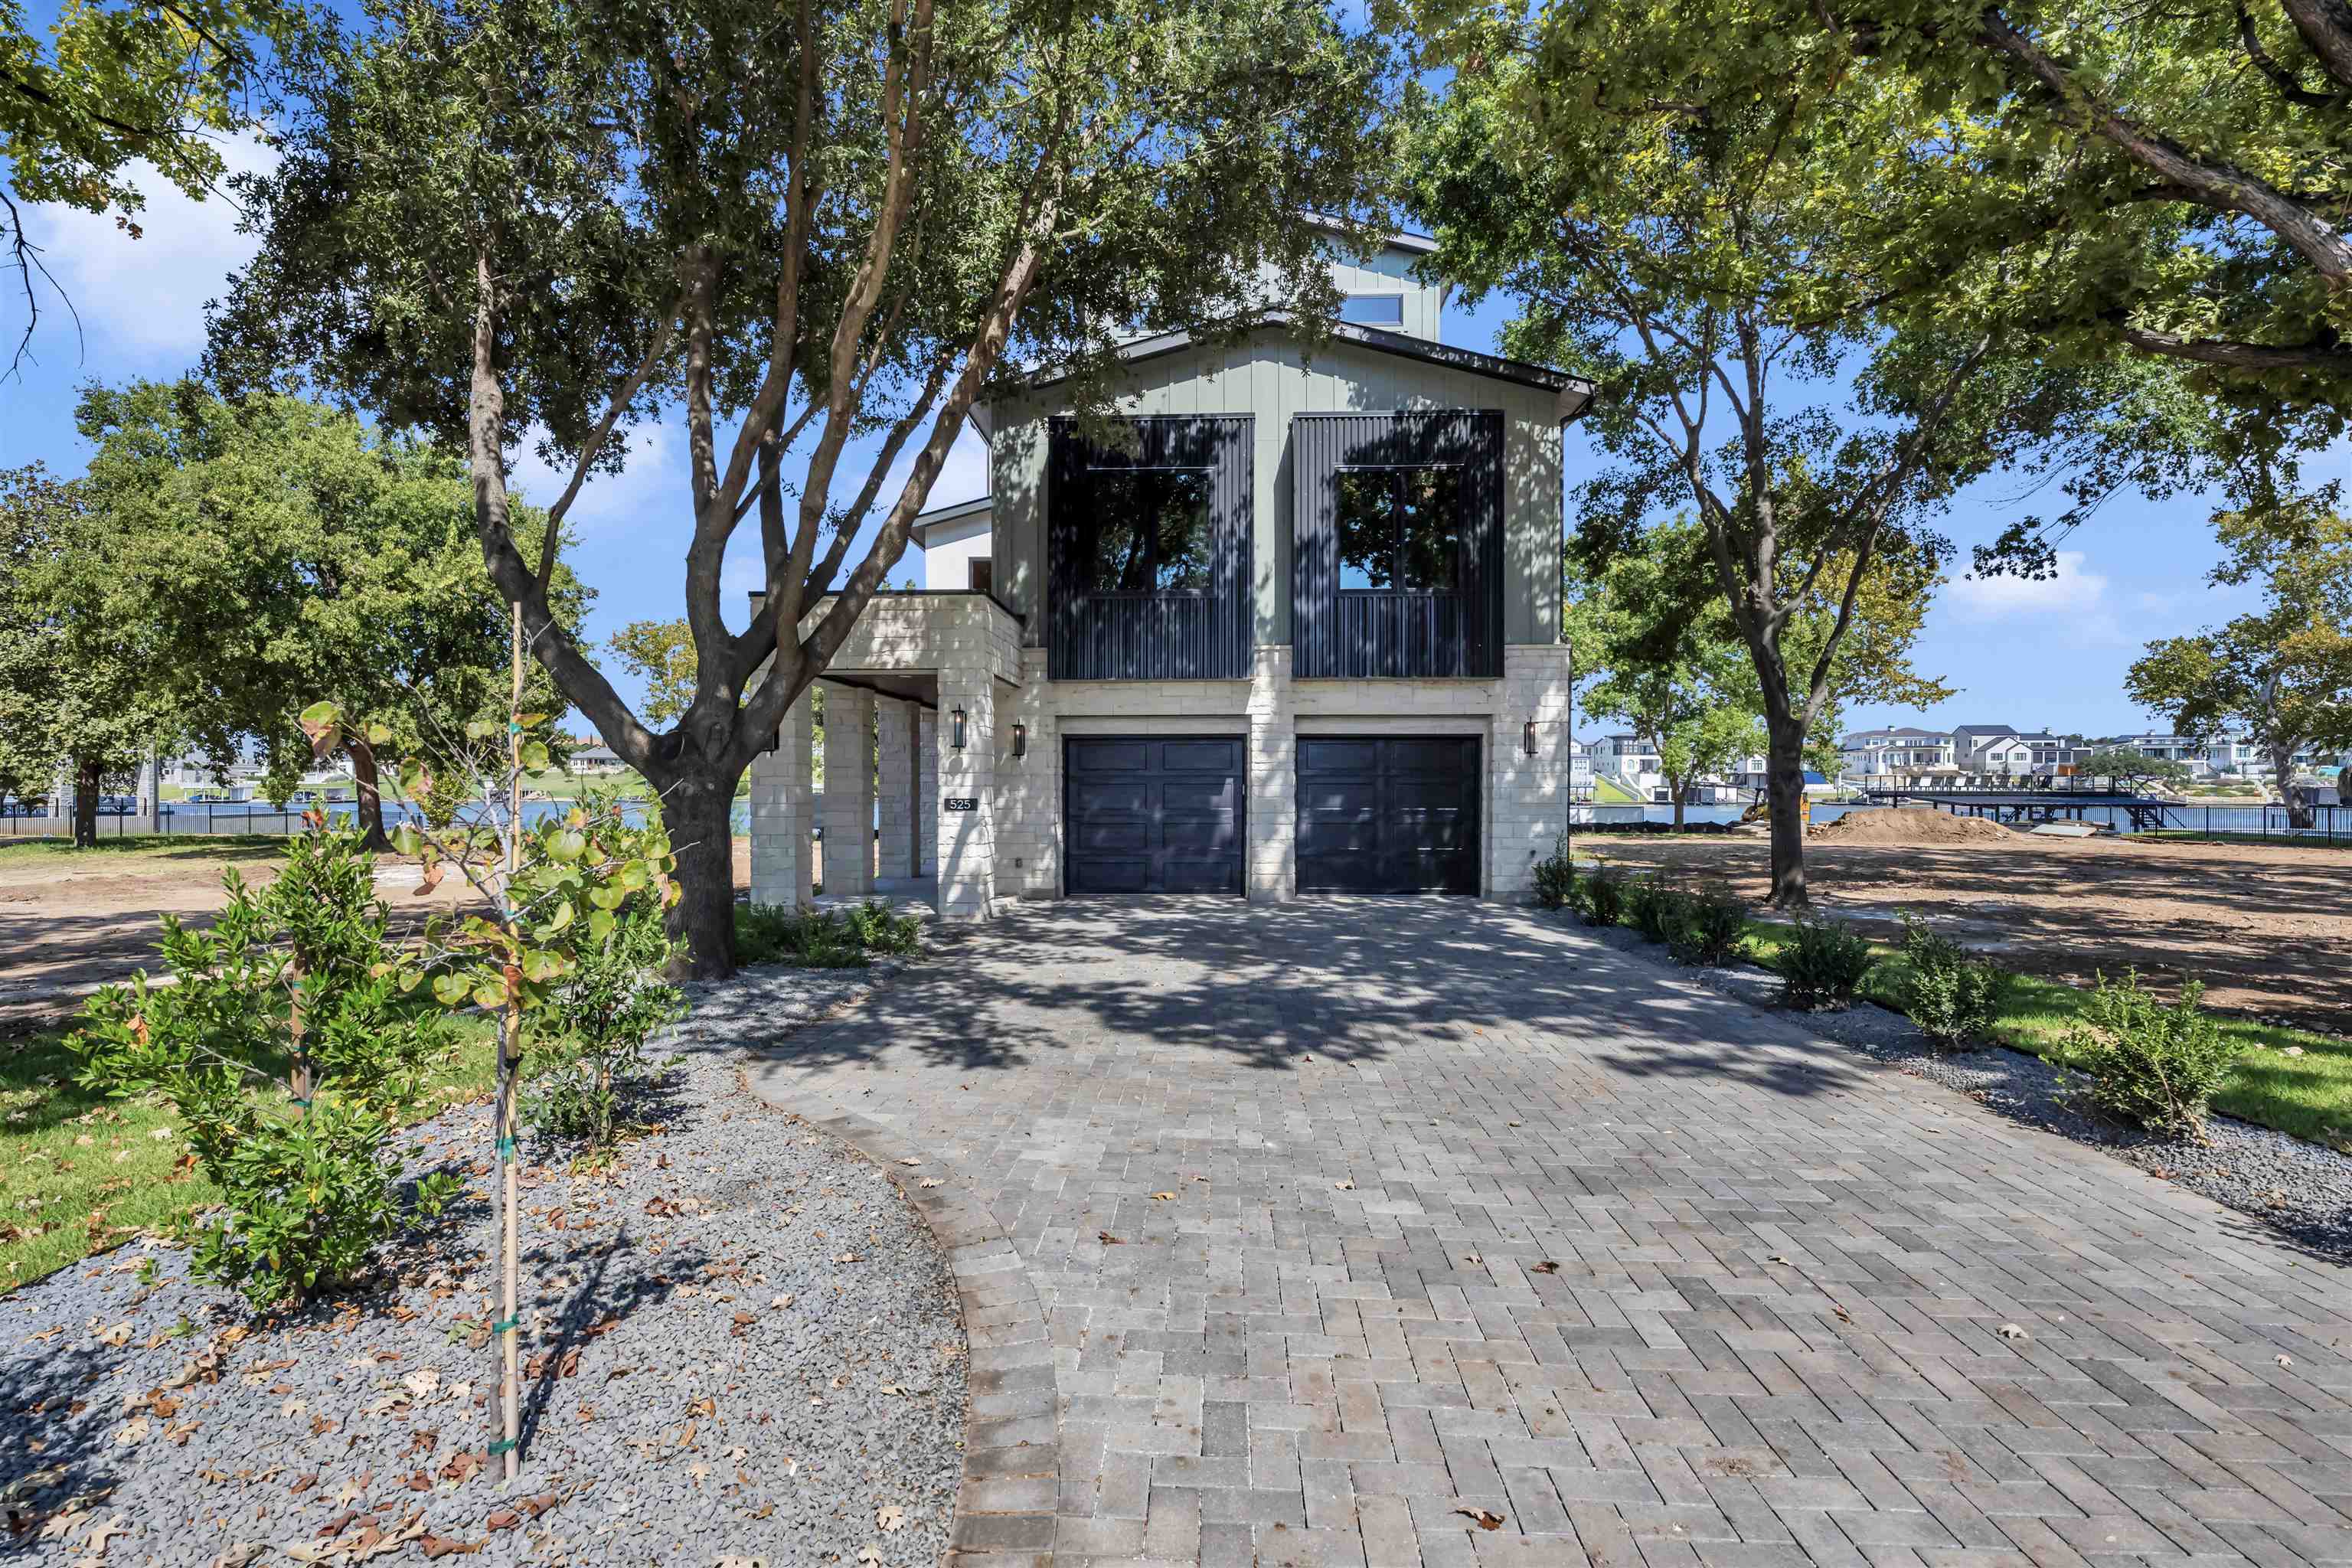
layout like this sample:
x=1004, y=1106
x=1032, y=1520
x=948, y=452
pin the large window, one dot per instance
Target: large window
x=1148, y=531
x=1401, y=528
x=1375, y=309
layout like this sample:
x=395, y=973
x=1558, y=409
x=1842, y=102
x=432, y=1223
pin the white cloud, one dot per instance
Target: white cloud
x=144, y=298
x=2069, y=591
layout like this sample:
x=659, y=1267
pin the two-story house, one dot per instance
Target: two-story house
x=1292, y=627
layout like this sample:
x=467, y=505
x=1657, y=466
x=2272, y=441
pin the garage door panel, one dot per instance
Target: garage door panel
x=1110, y=756
x=1338, y=756
x=1388, y=813
x=1154, y=815
x=1105, y=797
x=1196, y=756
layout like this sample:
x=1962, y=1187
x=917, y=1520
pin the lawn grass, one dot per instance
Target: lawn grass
x=2309, y=1096
x=1605, y=793
x=81, y=1172
x=148, y=850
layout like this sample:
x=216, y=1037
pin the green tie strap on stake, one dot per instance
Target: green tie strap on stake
x=298, y=1100
x=505, y=1325
x=503, y=1445
x=505, y=1148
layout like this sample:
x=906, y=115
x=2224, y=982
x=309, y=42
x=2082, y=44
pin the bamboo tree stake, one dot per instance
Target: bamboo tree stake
x=509, y=1059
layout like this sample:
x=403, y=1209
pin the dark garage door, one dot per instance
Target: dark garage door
x=1144, y=814
x=1388, y=813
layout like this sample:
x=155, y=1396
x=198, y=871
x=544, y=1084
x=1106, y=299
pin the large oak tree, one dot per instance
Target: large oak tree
x=1700, y=236
x=813, y=229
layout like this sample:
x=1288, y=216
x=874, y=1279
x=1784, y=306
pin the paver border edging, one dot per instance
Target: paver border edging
x=1006, y=1500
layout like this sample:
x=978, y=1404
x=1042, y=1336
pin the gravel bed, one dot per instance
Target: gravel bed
x=740, y=1340
x=2300, y=1189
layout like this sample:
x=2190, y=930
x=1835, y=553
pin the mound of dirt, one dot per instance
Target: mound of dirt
x=1911, y=825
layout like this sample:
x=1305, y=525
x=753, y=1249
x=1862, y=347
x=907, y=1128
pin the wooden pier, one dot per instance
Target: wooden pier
x=2023, y=807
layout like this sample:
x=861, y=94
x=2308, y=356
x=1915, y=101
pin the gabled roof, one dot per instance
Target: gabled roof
x=1575, y=393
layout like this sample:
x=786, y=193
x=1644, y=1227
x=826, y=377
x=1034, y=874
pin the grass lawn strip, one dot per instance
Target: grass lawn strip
x=81, y=1172
x=2307, y=1093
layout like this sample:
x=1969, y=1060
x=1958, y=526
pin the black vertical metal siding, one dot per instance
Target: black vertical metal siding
x=1146, y=636
x=1382, y=633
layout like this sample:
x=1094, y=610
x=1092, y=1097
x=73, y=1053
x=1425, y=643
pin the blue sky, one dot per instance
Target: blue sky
x=2029, y=653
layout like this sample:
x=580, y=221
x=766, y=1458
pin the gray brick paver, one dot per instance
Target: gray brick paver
x=1549, y=1286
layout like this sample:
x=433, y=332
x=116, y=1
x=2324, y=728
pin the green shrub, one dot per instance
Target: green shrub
x=1714, y=926
x=591, y=1036
x=1952, y=997
x=1823, y=963
x=879, y=930
x=1555, y=878
x=2150, y=1063
x=810, y=939
x=1603, y=897
x=296, y=986
x=1656, y=908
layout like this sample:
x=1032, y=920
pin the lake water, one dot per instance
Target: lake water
x=2248, y=819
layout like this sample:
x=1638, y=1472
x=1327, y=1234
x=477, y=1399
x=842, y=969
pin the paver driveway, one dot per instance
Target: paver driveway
x=1424, y=1207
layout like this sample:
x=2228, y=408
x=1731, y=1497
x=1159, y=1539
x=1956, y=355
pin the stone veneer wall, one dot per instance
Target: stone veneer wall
x=782, y=814
x=1526, y=796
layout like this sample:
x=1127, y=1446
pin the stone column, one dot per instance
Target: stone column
x=848, y=862
x=926, y=793
x=1270, y=870
x=1527, y=796
x=967, y=781
x=782, y=814
x=894, y=739
x=1029, y=787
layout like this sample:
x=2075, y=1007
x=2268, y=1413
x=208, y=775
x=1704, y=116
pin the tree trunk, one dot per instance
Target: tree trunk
x=367, y=784
x=1784, y=778
x=2298, y=813
x=697, y=809
x=1681, y=788
x=88, y=776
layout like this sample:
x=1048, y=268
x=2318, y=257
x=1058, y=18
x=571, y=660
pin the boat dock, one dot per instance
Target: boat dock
x=2026, y=806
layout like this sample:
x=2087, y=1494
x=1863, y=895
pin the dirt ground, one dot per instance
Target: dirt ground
x=71, y=923
x=2267, y=927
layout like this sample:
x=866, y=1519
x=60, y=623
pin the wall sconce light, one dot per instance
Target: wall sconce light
x=1527, y=737
x=955, y=732
x=1019, y=739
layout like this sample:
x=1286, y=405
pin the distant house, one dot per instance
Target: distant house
x=592, y=756
x=1896, y=752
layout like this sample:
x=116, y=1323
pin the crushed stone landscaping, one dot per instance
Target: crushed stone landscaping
x=2303, y=1190
x=739, y=1337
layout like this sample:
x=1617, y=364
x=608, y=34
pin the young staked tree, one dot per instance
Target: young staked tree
x=1683, y=228
x=273, y=552
x=814, y=232
x=76, y=687
x=2283, y=673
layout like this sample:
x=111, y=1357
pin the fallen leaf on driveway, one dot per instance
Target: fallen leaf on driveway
x=2008, y=1331
x=1345, y=1187
x=1548, y=1267
x=891, y=1519
x=932, y=1182
x=1481, y=1517
x=1163, y=1198
x=910, y=1162
x=115, y=1335
x=1108, y=1239
x=784, y=1300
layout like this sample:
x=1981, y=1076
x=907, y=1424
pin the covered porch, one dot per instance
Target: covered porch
x=911, y=740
